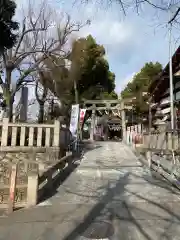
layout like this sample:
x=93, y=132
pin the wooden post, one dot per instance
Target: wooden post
x=93, y=123
x=169, y=141
x=4, y=136
x=134, y=139
x=56, y=140
x=128, y=135
x=12, y=189
x=123, y=119
x=145, y=140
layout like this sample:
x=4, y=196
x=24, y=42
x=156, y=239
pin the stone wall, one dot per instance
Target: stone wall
x=27, y=152
x=27, y=163
x=21, y=183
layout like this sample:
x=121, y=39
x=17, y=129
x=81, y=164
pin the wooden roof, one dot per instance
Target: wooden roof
x=105, y=120
x=161, y=83
x=114, y=120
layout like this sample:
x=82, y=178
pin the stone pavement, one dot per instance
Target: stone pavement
x=110, y=195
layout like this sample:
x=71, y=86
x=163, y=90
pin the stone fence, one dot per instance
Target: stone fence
x=164, y=141
x=134, y=134
x=28, y=135
x=162, y=152
x=30, y=160
x=48, y=177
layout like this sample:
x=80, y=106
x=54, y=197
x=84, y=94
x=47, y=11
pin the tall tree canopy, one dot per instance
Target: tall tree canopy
x=140, y=84
x=7, y=25
x=90, y=70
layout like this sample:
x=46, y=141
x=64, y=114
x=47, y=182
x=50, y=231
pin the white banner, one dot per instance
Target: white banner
x=74, y=119
x=139, y=128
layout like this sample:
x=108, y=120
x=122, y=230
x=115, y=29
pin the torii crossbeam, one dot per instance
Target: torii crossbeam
x=108, y=105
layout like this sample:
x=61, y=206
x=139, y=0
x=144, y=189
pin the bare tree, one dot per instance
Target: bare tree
x=163, y=6
x=35, y=44
x=41, y=92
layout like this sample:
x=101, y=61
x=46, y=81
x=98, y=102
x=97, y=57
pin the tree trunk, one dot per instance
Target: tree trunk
x=7, y=95
x=9, y=109
x=41, y=113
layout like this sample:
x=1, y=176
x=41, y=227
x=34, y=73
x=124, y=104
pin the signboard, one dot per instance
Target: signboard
x=82, y=115
x=99, y=131
x=74, y=119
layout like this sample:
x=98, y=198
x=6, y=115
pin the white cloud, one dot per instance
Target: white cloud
x=124, y=82
x=109, y=32
x=129, y=42
x=107, y=28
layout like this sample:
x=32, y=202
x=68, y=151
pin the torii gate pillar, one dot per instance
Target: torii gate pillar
x=93, y=123
x=123, y=119
x=120, y=105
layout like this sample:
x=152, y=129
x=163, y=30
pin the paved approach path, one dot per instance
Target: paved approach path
x=110, y=196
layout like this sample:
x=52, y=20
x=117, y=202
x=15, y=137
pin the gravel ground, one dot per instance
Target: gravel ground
x=110, y=195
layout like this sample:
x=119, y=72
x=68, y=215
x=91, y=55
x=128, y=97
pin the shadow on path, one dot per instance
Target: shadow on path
x=138, y=214
x=89, y=228
x=67, y=171
x=153, y=178
x=64, y=174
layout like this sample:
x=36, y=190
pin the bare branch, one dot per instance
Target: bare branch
x=23, y=55
x=38, y=41
x=44, y=89
x=24, y=32
x=122, y=6
x=154, y=5
x=174, y=16
x=22, y=85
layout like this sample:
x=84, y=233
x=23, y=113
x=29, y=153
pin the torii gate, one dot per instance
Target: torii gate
x=108, y=105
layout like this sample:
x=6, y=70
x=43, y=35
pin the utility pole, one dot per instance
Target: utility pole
x=76, y=92
x=171, y=74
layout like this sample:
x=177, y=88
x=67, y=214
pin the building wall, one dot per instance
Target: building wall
x=1, y=111
x=166, y=99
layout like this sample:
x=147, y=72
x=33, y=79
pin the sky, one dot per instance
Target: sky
x=130, y=41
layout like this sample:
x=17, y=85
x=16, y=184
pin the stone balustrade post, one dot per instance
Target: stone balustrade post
x=12, y=190
x=4, y=135
x=32, y=188
x=149, y=158
x=56, y=139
